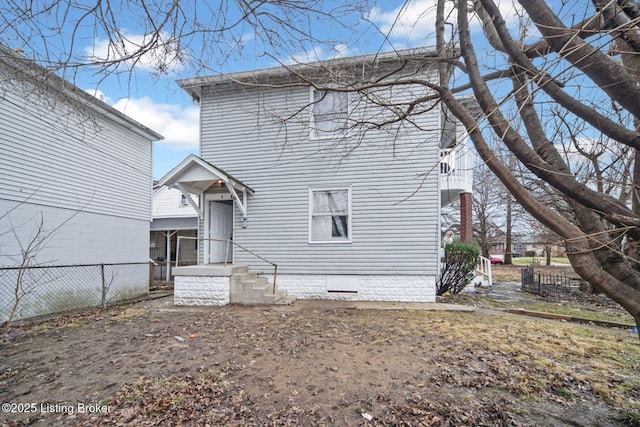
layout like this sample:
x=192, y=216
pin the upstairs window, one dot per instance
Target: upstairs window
x=330, y=215
x=330, y=114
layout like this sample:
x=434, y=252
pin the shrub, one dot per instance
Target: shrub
x=460, y=261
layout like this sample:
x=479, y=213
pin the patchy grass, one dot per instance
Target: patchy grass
x=610, y=312
x=629, y=417
x=560, y=359
x=592, y=307
x=315, y=364
x=598, y=313
x=128, y=314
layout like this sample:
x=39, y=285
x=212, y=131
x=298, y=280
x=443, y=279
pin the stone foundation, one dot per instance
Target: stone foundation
x=360, y=287
x=210, y=285
x=201, y=285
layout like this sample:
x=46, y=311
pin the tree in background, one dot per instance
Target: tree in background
x=488, y=207
x=566, y=69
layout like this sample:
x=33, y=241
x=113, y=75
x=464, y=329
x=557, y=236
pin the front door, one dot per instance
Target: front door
x=220, y=231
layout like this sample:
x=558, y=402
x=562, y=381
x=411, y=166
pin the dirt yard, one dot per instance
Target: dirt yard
x=315, y=363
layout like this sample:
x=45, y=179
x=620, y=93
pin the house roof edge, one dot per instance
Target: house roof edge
x=192, y=85
x=54, y=82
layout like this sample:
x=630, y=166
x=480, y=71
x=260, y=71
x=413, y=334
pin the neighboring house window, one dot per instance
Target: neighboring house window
x=330, y=215
x=330, y=114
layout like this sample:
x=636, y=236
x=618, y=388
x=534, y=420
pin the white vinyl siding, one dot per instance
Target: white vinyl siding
x=395, y=201
x=55, y=156
x=77, y=237
x=167, y=203
x=73, y=172
x=330, y=215
x=330, y=114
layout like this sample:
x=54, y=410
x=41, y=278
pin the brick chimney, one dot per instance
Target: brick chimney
x=466, y=217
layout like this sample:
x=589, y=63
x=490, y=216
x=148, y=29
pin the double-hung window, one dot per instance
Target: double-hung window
x=330, y=215
x=330, y=114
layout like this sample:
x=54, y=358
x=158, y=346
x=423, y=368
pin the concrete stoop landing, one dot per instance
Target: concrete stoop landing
x=246, y=288
x=222, y=284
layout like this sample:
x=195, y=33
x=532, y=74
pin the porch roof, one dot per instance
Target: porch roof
x=196, y=175
x=165, y=224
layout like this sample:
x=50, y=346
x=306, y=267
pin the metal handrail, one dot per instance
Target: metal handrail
x=226, y=255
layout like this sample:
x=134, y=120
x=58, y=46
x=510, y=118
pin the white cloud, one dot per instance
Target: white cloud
x=247, y=37
x=416, y=20
x=97, y=93
x=319, y=53
x=165, y=54
x=341, y=50
x=178, y=124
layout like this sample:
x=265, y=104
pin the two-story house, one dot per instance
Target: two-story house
x=340, y=188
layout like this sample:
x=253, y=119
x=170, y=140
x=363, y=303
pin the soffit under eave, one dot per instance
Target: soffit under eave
x=198, y=176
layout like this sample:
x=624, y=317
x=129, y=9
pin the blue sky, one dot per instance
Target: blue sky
x=160, y=104
x=155, y=100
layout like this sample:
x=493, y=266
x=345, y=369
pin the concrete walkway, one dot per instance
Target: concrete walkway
x=412, y=306
x=375, y=305
x=506, y=291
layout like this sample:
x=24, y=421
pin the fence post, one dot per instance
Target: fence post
x=275, y=276
x=104, y=293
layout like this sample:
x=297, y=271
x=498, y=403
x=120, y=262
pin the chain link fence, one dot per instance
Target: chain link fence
x=27, y=292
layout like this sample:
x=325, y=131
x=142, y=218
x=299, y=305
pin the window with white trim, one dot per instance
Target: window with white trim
x=330, y=114
x=330, y=215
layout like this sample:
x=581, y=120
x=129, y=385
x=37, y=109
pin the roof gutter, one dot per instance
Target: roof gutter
x=56, y=83
x=287, y=75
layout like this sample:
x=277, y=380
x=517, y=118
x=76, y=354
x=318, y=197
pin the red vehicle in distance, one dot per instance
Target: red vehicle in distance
x=496, y=259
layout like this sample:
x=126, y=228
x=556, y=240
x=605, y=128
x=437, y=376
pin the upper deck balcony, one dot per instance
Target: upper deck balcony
x=456, y=173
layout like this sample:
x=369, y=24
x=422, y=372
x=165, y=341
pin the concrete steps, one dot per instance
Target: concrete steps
x=245, y=287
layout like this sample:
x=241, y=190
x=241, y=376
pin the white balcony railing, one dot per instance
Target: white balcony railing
x=456, y=172
x=457, y=163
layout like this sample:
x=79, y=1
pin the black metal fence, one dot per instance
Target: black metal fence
x=543, y=283
x=27, y=292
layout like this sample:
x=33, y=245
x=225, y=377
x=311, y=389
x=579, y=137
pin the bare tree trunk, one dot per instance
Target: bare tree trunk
x=544, y=162
x=547, y=250
x=508, y=258
x=508, y=243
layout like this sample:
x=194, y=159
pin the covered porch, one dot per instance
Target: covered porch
x=222, y=199
x=163, y=244
x=216, y=279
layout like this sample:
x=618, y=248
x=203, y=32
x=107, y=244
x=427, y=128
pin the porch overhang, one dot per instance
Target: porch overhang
x=197, y=176
x=171, y=224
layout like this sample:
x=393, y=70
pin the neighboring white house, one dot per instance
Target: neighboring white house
x=173, y=216
x=75, y=189
x=307, y=180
